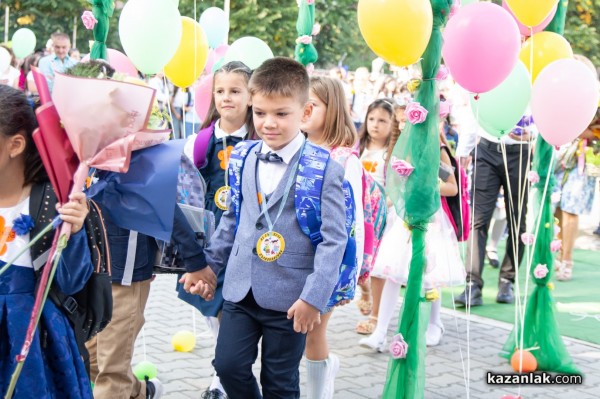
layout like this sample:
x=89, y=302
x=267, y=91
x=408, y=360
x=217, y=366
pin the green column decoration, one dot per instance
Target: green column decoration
x=103, y=10
x=540, y=329
x=416, y=200
x=305, y=52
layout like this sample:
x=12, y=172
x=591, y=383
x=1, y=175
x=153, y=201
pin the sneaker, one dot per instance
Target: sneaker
x=213, y=394
x=492, y=257
x=373, y=342
x=471, y=296
x=154, y=389
x=333, y=366
x=434, y=334
x=505, y=292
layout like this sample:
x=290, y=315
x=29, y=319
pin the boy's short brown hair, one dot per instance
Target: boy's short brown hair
x=281, y=76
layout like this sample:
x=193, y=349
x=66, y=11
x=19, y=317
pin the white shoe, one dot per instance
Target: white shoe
x=333, y=366
x=373, y=342
x=154, y=389
x=434, y=334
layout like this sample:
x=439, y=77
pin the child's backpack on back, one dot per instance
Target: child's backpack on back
x=457, y=208
x=308, y=186
x=375, y=212
x=90, y=309
x=190, y=199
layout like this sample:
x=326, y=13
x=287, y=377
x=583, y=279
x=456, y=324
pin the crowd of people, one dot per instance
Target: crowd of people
x=263, y=275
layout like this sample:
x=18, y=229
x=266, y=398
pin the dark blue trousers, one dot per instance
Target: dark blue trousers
x=243, y=324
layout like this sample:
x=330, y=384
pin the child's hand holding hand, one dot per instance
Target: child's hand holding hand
x=202, y=282
x=74, y=211
x=305, y=316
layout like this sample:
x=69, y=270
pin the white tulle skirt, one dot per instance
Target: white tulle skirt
x=444, y=264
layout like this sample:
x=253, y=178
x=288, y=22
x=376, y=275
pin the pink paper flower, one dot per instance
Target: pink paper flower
x=533, y=177
x=89, y=20
x=316, y=29
x=442, y=73
x=309, y=2
x=555, y=245
x=304, y=39
x=398, y=347
x=527, y=238
x=401, y=167
x=540, y=271
x=310, y=68
x=415, y=113
x=556, y=230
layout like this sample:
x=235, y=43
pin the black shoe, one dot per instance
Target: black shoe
x=492, y=257
x=597, y=231
x=505, y=292
x=471, y=296
x=213, y=394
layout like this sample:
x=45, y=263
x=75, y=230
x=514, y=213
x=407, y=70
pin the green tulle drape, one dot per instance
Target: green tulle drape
x=416, y=200
x=305, y=53
x=540, y=329
x=103, y=10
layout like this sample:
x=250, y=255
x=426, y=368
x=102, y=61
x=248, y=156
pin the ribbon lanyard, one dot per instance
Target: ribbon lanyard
x=286, y=193
x=226, y=161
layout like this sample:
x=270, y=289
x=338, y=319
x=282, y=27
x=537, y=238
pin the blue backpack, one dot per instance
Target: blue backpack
x=308, y=186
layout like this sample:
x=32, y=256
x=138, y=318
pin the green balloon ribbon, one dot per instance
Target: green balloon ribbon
x=305, y=53
x=103, y=10
x=540, y=329
x=417, y=199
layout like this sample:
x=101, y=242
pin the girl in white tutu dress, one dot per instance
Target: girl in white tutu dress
x=444, y=265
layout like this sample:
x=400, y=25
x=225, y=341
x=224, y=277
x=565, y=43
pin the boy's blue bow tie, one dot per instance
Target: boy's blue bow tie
x=269, y=157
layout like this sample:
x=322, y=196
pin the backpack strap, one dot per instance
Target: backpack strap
x=42, y=209
x=236, y=165
x=201, y=145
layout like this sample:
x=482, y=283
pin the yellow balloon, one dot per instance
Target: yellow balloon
x=190, y=58
x=531, y=12
x=396, y=30
x=547, y=48
x=183, y=341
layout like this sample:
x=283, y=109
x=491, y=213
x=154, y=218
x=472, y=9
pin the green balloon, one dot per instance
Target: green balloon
x=23, y=42
x=150, y=32
x=500, y=109
x=145, y=369
x=250, y=50
x=467, y=2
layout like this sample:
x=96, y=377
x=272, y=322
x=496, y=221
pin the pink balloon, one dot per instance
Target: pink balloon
x=119, y=61
x=210, y=61
x=564, y=100
x=481, y=46
x=221, y=50
x=524, y=29
x=203, y=96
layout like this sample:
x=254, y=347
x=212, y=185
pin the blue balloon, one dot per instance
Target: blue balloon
x=215, y=24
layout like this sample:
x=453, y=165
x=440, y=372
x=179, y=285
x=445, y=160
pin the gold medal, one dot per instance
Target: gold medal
x=270, y=246
x=221, y=197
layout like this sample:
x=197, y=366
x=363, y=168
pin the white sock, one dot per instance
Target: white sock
x=216, y=384
x=213, y=324
x=316, y=378
x=435, y=317
x=389, y=298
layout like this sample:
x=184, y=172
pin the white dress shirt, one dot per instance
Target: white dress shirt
x=271, y=173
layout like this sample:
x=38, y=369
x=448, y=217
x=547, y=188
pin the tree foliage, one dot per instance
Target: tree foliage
x=274, y=22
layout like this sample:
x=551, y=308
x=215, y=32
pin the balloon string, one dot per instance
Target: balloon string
x=531, y=55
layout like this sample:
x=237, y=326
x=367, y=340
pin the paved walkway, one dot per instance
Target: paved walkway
x=362, y=373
